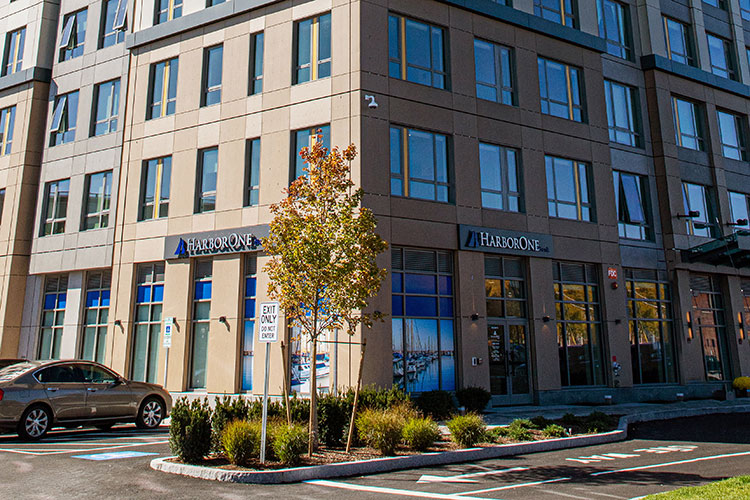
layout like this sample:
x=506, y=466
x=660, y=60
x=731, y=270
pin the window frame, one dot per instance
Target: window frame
x=707, y=211
x=698, y=124
x=324, y=130
x=210, y=92
x=398, y=66
x=15, y=41
x=57, y=219
x=172, y=10
x=691, y=56
x=57, y=286
x=257, y=46
x=622, y=46
x=504, y=94
x=729, y=58
x=163, y=169
x=634, y=131
x=170, y=71
x=7, y=124
x=624, y=222
x=201, y=195
x=199, y=277
x=101, y=314
x=571, y=73
x=252, y=172
x=580, y=203
x=61, y=119
x=69, y=41
x=319, y=67
x=744, y=198
x=739, y=133
x=404, y=172
x=566, y=16
x=104, y=202
x=505, y=193
x=115, y=32
x=113, y=108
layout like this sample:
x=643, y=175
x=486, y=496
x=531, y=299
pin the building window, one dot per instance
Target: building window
x=248, y=336
x=53, y=316
x=7, y=122
x=149, y=298
x=419, y=165
x=211, y=3
x=732, y=131
x=212, y=64
x=252, y=171
x=494, y=72
x=650, y=324
x=739, y=204
x=721, y=56
x=157, y=174
x=696, y=199
x=205, y=193
x=95, y=316
x=745, y=9
x=163, y=88
x=688, y=123
x=313, y=43
x=14, y=44
x=423, y=326
x=501, y=186
x=202, y=275
x=505, y=287
x=614, y=27
x=73, y=35
x=107, y=98
x=679, y=39
x=563, y=12
x=416, y=52
x=55, y=207
x=719, y=4
x=166, y=10
x=709, y=325
x=2, y=203
x=256, y=63
x=305, y=138
x=631, y=203
x=568, y=194
x=623, y=114
x=579, y=337
x=113, y=23
x=64, y=117
x=560, y=90
x=97, y=202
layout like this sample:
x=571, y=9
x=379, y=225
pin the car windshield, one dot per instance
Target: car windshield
x=12, y=371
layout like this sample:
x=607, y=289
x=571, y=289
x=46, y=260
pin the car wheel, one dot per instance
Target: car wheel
x=151, y=414
x=35, y=422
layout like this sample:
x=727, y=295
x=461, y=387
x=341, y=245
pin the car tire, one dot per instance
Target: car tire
x=35, y=422
x=150, y=414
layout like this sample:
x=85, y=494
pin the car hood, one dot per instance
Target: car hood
x=145, y=386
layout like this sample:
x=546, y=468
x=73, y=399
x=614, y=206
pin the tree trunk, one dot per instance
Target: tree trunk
x=313, y=437
x=286, y=381
x=356, y=397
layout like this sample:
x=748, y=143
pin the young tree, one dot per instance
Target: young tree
x=324, y=245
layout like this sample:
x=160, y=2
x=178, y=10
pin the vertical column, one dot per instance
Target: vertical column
x=178, y=289
x=71, y=328
x=223, y=340
x=544, y=353
x=471, y=334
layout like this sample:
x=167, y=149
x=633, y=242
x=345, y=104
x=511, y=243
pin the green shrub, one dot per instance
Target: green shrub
x=474, y=399
x=276, y=410
x=290, y=443
x=523, y=423
x=467, y=430
x=741, y=383
x=598, y=422
x=240, y=441
x=571, y=420
x=420, y=433
x=540, y=422
x=380, y=429
x=437, y=404
x=190, y=430
x=495, y=434
x=226, y=410
x=334, y=413
x=554, y=431
x=378, y=399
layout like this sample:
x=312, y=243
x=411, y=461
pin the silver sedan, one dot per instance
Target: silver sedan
x=38, y=395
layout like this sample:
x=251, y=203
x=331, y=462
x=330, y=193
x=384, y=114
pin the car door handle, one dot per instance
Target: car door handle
x=91, y=389
x=52, y=389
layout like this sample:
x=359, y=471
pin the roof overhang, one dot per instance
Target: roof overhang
x=732, y=250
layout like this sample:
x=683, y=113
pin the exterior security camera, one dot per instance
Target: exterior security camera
x=372, y=104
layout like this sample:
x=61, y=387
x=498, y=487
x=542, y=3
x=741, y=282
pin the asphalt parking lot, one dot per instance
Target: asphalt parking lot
x=659, y=457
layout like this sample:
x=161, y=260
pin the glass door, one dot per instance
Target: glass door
x=508, y=363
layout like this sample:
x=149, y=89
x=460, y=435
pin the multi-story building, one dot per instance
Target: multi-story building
x=564, y=187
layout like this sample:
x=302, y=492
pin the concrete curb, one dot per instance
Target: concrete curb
x=389, y=464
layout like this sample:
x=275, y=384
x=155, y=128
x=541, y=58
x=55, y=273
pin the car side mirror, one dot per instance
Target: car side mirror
x=119, y=381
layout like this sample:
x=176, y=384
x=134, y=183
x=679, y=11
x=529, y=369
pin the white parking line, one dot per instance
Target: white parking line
x=78, y=450
x=512, y=486
x=667, y=464
x=390, y=491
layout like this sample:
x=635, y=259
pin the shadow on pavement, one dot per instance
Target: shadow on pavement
x=734, y=428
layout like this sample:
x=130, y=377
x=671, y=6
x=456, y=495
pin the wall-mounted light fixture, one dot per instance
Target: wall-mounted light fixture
x=692, y=214
x=118, y=323
x=546, y=319
x=474, y=317
x=738, y=222
x=223, y=319
x=689, y=326
x=741, y=324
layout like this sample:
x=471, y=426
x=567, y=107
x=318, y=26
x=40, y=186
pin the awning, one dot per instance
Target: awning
x=732, y=250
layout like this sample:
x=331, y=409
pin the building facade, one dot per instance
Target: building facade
x=565, y=190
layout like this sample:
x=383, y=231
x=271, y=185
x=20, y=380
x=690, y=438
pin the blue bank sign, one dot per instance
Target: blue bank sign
x=484, y=239
x=214, y=242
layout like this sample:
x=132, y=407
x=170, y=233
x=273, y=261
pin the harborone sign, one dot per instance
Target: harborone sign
x=239, y=240
x=484, y=239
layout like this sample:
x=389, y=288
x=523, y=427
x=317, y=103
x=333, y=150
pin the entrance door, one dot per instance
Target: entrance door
x=248, y=340
x=509, y=363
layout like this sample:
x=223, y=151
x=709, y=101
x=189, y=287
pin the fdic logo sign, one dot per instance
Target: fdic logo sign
x=504, y=242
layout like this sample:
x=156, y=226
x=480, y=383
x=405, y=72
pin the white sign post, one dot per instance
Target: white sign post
x=268, y=332
x=167, y=343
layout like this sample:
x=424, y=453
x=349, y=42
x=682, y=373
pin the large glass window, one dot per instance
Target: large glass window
x=97, y=202
x=709, y=325
x=631, y=202
x=149, y=299
x=732, y=132
x=416, y=52
x=493, y=65
x=305, y=138
x=7, y=122
x=419, y=165
x=248, y=336
x=560, y=90
x=501, y=185
x=2, y=203
x=55, y=207
x=256, y=63
x=166, y=10
x=252, y=171
x=53, y=316
x=313, y=54
x=155, y=183
x=14, y=45
x=505, y=288
x=650, y=324
x=721, y=56
x=212, y=68
x=697, y=199
x=563, y=12
x=679, y=39
x=688, y=123
x=579, y=336
x=113, y=23
x=205, y=186
x=64, y=117
x=73, y=35
x=95, y=316
x=568, y=193
x=614, y=27
x=739, y=209
x=202, y=274
x=107, y=99
x=423, y=326
x=163, y=88
x=745, y=9
x=623, y=116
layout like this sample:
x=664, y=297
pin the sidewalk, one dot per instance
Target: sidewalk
x=506, y=414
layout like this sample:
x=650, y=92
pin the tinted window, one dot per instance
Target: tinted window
x=59, y=374
x=9, y=372
x=97, y=375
